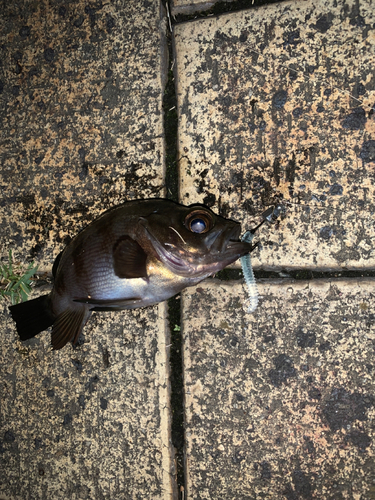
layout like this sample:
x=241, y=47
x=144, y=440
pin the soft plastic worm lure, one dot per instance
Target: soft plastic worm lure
x=248, y=274
x=269, y=215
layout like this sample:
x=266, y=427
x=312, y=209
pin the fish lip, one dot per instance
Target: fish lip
x=219, y=240
x=235, y=233
x=235, y=248
x=229, y=248
x=233, y=245
x=239, y=248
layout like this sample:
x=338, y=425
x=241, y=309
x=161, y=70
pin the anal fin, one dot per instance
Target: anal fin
x=68, y=327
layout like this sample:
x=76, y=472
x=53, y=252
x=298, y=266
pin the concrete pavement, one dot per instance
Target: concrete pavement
x=275, y=106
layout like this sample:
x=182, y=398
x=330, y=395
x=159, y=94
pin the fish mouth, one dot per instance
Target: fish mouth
x=228, y=249
x=231, y=246
x=234, y=251
x=238, y=248
x=222, y=247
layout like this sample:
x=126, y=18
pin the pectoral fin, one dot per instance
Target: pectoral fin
x=129, y=259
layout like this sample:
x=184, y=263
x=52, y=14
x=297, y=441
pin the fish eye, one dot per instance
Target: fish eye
x=198, y=226
x=199, y=222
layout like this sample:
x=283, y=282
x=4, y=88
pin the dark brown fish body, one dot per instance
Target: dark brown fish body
x=134, y=255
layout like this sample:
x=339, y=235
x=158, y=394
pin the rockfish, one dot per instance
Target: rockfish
x=133, y=255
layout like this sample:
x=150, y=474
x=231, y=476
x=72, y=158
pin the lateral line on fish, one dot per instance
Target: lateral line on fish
x=178, y=234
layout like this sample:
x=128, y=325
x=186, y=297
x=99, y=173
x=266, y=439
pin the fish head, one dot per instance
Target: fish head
x=193, y=241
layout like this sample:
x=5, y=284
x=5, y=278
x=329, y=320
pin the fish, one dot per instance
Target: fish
x=134, y=255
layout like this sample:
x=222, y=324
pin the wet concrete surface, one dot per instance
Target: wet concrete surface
x=82, y=125
x=91, y=421
x=275, y=107
x=280, y=403
x=82, y=130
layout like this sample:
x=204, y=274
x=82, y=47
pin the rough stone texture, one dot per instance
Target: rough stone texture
x=280, y=403
x=276, y=105
x=82, y=129
x=81, y=89
x=90, y=422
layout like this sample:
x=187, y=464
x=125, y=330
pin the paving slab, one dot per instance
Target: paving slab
x=280, y=403
x=87, y=422
x=82, y=126
x=81, y=89
x=276, y=106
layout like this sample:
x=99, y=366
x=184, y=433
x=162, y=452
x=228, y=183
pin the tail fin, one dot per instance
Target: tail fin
x=33, y=316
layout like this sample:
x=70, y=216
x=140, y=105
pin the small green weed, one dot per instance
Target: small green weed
x=15, y=282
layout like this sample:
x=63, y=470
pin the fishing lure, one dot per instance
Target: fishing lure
x=248, y=274
x=269, y=215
